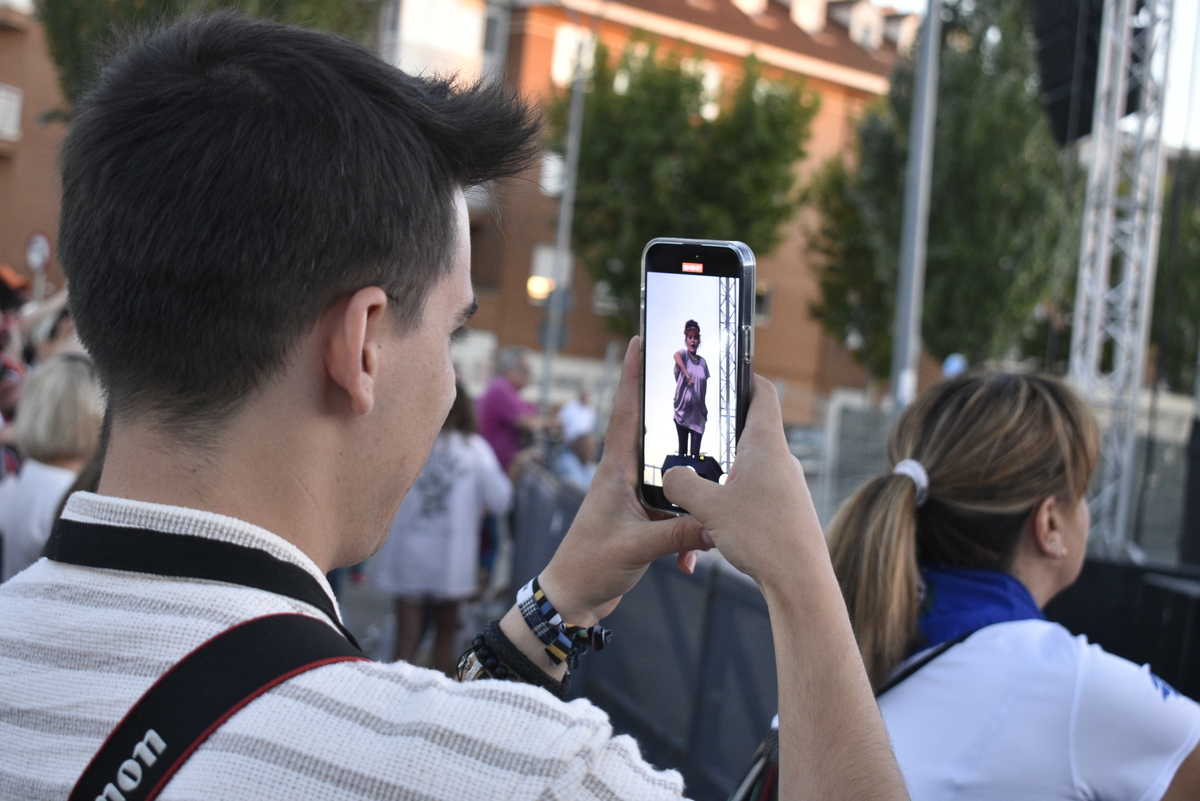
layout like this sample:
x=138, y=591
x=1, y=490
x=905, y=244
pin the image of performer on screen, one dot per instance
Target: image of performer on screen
x=691, y=385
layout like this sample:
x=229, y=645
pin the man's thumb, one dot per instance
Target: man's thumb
x=684, y=487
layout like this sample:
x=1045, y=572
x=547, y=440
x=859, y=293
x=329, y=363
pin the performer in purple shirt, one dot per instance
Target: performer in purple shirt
x=691, y=384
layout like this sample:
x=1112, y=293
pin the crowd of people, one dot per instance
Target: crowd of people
x=51, y=414
x=272, y=329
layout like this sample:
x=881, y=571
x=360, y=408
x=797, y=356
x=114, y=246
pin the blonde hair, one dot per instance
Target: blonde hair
x=995, y=445
x=61, y=410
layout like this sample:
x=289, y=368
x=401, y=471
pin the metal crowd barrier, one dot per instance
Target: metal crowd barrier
x=690, y=672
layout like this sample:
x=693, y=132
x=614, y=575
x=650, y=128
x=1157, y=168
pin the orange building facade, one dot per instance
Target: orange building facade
x=29, y=184
x=845, y=65
x=844, y=50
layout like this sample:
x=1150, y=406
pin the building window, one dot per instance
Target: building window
x=495, y=40
x=10, y=112
x=567, y=39
x=866, y=26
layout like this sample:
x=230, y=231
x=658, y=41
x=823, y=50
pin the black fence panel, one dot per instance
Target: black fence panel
x=647, y=678
x=1139, y=612
x=542, y=512
x=1104, y=604
x=737, y=696
x=1169, y=628
x=690, y=673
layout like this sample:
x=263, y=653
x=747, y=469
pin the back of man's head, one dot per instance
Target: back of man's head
x=227, y=179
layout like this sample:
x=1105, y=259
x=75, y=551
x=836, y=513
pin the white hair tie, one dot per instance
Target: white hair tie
x=913, y=469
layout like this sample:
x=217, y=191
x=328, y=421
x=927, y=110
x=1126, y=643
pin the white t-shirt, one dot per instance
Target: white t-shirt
x=1025, y=710
x=576, y=419
x=433, y=547
x=28, y=502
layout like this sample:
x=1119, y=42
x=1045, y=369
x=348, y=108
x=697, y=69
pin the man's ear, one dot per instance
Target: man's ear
x=1045, y=528
x=351, y=352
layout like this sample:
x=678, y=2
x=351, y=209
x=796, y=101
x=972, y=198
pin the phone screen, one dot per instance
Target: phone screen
x=693, y=364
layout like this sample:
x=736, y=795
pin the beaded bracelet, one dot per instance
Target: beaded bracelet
x=493, y=656
x=562, y=641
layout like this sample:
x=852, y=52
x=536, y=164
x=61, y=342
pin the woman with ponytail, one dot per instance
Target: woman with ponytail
x=946, y=562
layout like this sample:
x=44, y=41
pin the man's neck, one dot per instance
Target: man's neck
x=250, y=470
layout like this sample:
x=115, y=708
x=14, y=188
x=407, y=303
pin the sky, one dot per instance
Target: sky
x=1183, y=75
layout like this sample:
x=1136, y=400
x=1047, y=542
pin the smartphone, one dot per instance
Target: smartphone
x=697, y=359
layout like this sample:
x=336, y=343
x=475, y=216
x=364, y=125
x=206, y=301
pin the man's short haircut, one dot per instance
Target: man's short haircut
x=227, y=179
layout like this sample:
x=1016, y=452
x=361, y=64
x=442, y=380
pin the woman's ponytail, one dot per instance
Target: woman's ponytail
x=874, y=551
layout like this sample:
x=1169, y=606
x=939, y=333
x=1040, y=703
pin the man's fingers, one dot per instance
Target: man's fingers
x=676, y=535
x=625, y=423
x=764, y=418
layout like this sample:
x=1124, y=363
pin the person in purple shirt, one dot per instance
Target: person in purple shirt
x=691, y=385
x=503, y=415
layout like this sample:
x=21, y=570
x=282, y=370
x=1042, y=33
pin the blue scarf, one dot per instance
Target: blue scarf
x=960, y=600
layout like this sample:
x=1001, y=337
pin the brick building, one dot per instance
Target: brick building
x=844, y=50
x=29, y=90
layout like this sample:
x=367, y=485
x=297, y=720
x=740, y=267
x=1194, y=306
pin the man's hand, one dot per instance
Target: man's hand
x=762, y=519
x=832, y=743
x=613, y=540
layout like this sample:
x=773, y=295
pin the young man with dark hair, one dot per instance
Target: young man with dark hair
x=266, y=239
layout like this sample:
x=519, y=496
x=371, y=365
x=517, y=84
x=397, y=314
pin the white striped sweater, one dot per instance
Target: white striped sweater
x=79, y=646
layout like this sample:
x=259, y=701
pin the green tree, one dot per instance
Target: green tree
x=81, y=33
x=1175, y=330
x=652, y=164
x=1003, y=221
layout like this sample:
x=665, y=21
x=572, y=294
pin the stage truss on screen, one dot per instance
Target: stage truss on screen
x=1115, y=288
x=727, y=320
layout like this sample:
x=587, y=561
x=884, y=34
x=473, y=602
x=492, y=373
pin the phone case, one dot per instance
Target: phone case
x=740, y=326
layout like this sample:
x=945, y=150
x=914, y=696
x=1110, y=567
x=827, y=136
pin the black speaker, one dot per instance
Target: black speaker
x=1189, y=537
x=706, y=466
x=1068, y=51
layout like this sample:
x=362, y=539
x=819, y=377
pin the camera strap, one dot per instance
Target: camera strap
x=208, y=686
x=140, y=550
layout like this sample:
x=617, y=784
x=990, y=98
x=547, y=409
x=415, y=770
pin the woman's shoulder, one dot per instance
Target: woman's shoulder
x=1101, y=678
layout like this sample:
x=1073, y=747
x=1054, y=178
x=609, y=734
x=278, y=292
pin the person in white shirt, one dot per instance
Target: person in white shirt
x=57, y=428
x=432, y=551
x=946, y=563
x=577, y=417
x=268, y=250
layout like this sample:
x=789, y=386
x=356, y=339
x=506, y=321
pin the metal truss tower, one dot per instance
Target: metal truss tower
x=1115, y=291
x=727, y=321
